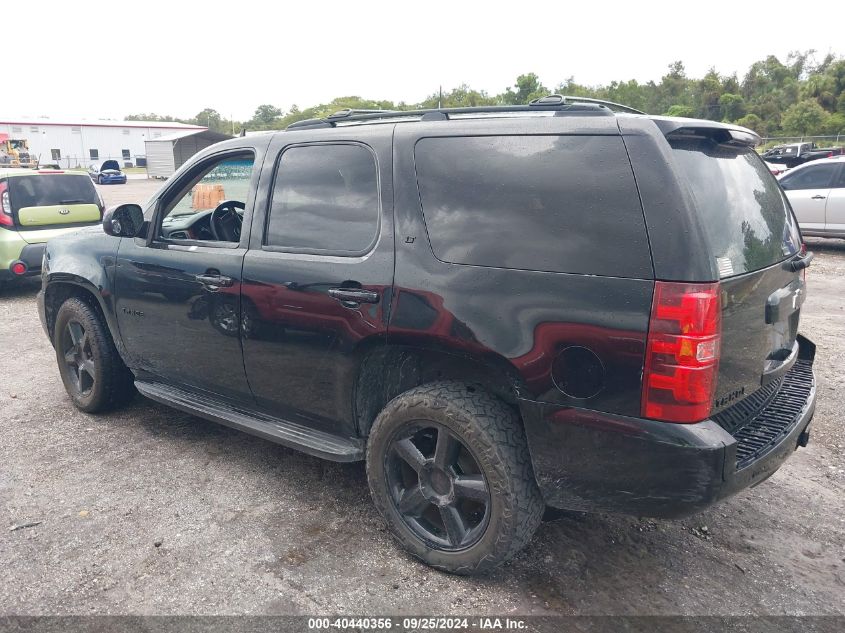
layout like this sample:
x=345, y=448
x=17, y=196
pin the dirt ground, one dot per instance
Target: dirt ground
x=151, y=511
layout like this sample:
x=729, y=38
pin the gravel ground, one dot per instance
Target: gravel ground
x=150, y=511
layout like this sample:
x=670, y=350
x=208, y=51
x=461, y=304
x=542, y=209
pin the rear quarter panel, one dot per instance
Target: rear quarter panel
x=515, y=319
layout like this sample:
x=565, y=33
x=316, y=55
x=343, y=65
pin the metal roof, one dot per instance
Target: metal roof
x=170, y=125
x=175, y=136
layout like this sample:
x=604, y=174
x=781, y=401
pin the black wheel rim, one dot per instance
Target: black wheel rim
x=79, y=358
x=437, y=486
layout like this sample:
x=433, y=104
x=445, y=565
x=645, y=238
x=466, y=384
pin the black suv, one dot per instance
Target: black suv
x=499, y=309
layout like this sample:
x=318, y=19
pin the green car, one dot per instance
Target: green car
x=36, y=206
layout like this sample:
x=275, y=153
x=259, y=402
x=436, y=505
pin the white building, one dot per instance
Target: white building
x=81, y=143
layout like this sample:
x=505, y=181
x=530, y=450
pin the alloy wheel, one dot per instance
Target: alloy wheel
x=437, y=486
x=79, y=358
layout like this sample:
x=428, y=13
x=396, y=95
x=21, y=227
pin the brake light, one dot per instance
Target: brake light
x=682, y=352
x=6, y=218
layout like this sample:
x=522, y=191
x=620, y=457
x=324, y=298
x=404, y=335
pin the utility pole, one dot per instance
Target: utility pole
x=440, y=97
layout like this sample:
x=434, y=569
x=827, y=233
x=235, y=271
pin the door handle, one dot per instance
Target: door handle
x=353, y=295
x=817, y=197
x=215, y=280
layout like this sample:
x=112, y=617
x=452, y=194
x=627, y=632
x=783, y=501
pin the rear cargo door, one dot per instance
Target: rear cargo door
x=754, y=241
x=53, y=201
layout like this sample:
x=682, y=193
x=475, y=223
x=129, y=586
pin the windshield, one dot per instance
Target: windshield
x=746, y=218
x=47, y=190
x=110, y=164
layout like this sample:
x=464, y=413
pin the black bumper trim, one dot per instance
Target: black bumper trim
x=592, y=461
x=765, y=430
x=31, y=255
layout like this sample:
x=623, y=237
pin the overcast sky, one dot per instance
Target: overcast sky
x=106, y=60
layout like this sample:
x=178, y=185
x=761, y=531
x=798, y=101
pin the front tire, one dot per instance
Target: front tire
x=449, y=470
x=91, y=369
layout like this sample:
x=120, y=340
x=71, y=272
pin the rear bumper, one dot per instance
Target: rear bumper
x=585, y=460
x=31, y=255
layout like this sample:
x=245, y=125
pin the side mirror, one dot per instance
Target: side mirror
x=124, y=220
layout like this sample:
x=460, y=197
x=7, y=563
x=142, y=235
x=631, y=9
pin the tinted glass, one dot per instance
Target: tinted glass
x=48, y=190
x=811, y=177
x=840, y=182
x=551, y=203
x=744, y=213
x=325, y=198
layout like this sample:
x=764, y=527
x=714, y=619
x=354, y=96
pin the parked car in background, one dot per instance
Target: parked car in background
x=776, y=168
x=107, y=173
x=36, y=206
x=816, y=192
x=794, y=154
x=342, y=287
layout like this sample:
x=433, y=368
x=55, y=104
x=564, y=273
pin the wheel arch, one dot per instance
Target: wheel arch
x=386, y=371
x=63, y=286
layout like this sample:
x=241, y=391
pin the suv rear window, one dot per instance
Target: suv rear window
x=48, y=190
x=547, y=203
x=745, y=215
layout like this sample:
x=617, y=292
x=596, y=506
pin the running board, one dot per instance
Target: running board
x=302, y=438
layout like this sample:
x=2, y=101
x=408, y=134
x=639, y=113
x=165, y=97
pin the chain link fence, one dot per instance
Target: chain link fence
x=821, y=141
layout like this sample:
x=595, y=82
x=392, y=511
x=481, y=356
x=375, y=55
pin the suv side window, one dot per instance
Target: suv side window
x=187, y=211
x=813, y=177
x=840, y=182
x=325, y=200
x=570, y=203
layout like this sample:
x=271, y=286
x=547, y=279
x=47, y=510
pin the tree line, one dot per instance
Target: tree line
x=799, y=96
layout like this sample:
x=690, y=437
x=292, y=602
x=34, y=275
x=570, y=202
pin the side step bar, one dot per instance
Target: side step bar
x=302, y=438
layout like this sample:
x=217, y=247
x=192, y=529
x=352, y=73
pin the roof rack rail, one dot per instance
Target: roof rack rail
x=347, y=112
x=562, y=99
x=560, y=104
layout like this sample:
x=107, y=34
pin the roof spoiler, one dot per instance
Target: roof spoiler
x=675, y=128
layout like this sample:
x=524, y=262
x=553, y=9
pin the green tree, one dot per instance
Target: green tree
x=210, y=118
x=528, y=87
x=680, y=110
x=264, y=117
x=754, y=123
x=804, y=118
x=732, y=106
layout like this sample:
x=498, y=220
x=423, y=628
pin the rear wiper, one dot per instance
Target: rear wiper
x=71, y=201
x=800, y=264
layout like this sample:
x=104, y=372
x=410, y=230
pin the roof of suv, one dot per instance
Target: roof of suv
x=549, y=106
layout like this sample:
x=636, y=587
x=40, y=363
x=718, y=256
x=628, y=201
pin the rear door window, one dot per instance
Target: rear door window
x=48, y=190
x=746, y=219
x=546, y=202
x=325, y=200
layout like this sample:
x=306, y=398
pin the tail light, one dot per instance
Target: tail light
x=682, y=352
x=6, y=218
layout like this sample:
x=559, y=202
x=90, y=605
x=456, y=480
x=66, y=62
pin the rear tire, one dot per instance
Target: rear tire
x=466, y=508
x=91, y=369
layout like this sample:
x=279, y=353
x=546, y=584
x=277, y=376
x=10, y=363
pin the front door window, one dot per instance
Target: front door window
x=210, y=206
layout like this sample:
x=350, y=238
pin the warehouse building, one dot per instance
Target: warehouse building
x=68, y=144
